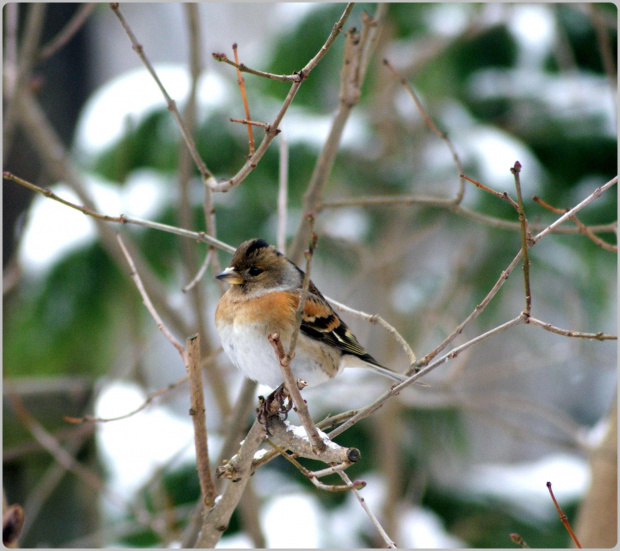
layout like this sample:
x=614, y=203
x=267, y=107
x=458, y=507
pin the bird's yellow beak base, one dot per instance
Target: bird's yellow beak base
x=229, y=275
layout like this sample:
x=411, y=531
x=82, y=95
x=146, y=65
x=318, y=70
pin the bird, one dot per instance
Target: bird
x=264, y=293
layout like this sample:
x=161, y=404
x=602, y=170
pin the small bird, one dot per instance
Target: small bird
x=265, y=288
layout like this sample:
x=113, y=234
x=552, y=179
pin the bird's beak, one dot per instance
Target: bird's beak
x=229, y=275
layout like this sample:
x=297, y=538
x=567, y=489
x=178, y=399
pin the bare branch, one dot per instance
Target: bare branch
x=207, y=177
x=245, y=102
x=389, y=542
x=393, y=391
x=223, y=58
x=287, y=436
x=147, y=302
x=493, y=192
x=444, y=203
x=282, y=193
x=563, y=517
x=19, y=82
x=594, y=195
x=217, y=518
x=197, y=412
x=570, y=333
x=581, y=227
x=525, y=238
x=273, y=130
x=284, y=360
x=68, y=31
x=149, y=398
x=428, y=121
x=123, y=219
x=376, y=318
x=351, y=80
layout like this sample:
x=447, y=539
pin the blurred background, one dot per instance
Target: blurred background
x=460, y=462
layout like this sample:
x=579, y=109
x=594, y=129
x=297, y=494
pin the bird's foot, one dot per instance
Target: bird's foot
x=277, y=404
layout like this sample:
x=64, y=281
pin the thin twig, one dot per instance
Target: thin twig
x=67, y=32
x=270, y=133
x=493, y=192
x=351, y=80
x=563, y=517
x=147, y=302
x=594, y=195
x=571, y=333
x=149, y=398
x=336, y=30
x=244, y=97
x=428, y=121
x=22, y=73
x=200, y=273
x=525, y=238
x=581, y=227
x=284, y=359
x=282, y=193
x=376, y=318
x=309, y=253
x=375, y=521
x=265, y=126
x=122, y=219
x=207, y=177
x=445, y=203
x=223, y=58
x=273, y=130
x=393, y=391
x=314, y=476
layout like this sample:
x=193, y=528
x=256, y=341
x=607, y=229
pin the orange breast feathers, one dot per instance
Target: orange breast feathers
x=275, y=311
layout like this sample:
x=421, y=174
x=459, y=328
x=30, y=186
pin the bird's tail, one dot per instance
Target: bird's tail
x=387, y=372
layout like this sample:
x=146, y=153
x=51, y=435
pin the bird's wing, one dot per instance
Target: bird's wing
x=320, y=322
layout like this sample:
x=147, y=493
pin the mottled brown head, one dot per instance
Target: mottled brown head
x=258, y=268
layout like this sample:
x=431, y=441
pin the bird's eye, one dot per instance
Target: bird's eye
x=254, y=271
